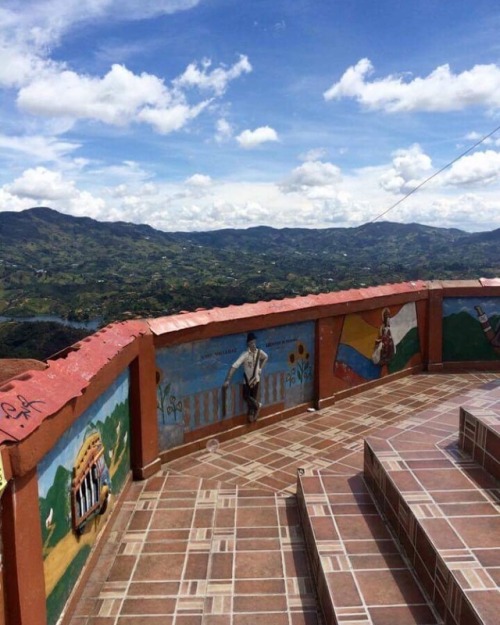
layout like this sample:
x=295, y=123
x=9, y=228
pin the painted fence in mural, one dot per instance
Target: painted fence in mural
x=375, y=343
x=191, y=377
x=471, y=329
x=77, y=483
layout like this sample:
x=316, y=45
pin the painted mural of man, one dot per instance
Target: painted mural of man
x=253, y=361
x=384, y=349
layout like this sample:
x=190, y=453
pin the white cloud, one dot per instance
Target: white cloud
x=250, y=139
x=114, y=99
x=409, y=168
x=215, y=80
x=199, y=180
x=224, y=130
x=41, y=184
x=440, y=91
x=477, y=168
x=321, y=200
x=312, y=176
x=38, y=147
x=167, y=120
x=316, y=154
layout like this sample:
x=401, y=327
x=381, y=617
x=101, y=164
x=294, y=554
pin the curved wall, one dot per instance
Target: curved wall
x=156, y=387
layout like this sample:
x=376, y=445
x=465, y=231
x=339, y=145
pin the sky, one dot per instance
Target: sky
x=207, y=114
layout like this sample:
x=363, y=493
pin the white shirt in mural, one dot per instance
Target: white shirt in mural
x=252, y=362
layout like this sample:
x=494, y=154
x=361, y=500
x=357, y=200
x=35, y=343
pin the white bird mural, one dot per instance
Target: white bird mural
x=48, y=520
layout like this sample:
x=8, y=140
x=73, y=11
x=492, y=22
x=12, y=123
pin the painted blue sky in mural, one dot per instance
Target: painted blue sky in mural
x=455, y=305
x=63, y=453
x=203, y=365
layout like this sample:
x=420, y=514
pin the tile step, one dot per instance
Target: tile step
x=444, y=509
x=479, y=435
x=360, y=575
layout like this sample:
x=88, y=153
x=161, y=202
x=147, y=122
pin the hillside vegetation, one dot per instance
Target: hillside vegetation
x=78, y=268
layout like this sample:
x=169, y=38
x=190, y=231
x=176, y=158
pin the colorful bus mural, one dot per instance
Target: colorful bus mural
x=191, y=390
x=471, y=329
x=77, y=480
x=91, y=483
x=375, y=343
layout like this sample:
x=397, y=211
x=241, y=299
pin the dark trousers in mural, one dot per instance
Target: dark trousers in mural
x=250, y=395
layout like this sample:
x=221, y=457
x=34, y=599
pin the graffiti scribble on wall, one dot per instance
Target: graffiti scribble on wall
x=471, y=328
x=192, y=376
x=76, y=481
x=376, y=343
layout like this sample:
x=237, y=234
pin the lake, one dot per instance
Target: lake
x=92, y=324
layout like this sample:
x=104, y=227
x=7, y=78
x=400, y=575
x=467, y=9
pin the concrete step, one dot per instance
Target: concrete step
x=361, y=577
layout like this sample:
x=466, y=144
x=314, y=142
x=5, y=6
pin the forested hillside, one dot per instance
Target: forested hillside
x=78, y=268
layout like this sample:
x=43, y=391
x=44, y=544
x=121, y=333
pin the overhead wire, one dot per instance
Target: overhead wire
x=424, y=182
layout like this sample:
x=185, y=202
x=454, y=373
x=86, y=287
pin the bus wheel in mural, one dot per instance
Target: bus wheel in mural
x=90, y=488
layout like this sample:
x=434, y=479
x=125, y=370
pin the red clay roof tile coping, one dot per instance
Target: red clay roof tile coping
x=185, y=320
x=28, y=399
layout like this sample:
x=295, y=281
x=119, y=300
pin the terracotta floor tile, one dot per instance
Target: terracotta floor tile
x=173, y=518
x=482, y=532
x=260, y=603
x=196, y=566
x=255, y=564
x=366, y=562
x=305, y=618
x=216, y=619
x=487, y=603
x=343, y=589
x=259, y=586
x=148, y=606
x=221, y=566
x=258, y=544
x=381, y=546
x=173, y=546
x=122, y=568
x=257, y=517
x=181, y=482
x=388, y=588
x=296, y=563
x=168, y=567
x=257, y=532
x=324, y=528
x=442, y=534
x=358, y=527
x=260, y=619
x=144, y=620
x=450, y=479
x=140, y=520
x=159, y=589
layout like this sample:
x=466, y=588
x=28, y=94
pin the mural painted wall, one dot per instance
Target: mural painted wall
x=375, y=343
x=471, y=329
x=77, y=482
x=191, y=392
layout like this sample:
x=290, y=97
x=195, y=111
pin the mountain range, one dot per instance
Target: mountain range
x=79, y=268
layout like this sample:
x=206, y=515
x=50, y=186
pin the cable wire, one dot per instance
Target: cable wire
x=419, y=186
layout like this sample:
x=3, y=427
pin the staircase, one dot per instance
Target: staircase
x=413, y=539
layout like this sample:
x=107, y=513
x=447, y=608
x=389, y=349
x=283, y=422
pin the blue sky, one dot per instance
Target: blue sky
x=205, y=114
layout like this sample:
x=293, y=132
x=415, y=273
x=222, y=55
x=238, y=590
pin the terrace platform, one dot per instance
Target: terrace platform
x=232, y=537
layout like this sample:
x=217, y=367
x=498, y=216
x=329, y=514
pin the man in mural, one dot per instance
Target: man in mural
x=253, y=361
x=384, y=345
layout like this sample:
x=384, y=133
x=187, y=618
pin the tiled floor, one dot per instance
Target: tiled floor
x=215, y=538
